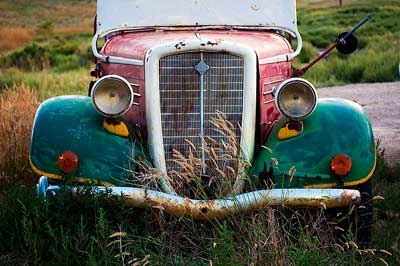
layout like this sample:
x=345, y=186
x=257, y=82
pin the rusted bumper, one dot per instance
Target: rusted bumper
x=206, y=209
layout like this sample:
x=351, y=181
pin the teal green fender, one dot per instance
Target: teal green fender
x=337, y=126
x=70, y=123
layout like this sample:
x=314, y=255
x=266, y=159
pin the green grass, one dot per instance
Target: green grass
x=64, y=231
x=386, y=184
x=48, y=83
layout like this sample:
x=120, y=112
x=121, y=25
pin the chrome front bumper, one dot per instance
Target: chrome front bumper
x=206, y=209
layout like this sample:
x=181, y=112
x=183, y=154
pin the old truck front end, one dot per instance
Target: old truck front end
x=161, y=83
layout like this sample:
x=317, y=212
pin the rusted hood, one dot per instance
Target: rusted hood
x=134, y=45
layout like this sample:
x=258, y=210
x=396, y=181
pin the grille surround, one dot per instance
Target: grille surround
x=152, y=98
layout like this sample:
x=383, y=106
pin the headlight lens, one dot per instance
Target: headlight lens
x=112, y=95
x=296, y=98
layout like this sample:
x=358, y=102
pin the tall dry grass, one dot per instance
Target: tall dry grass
x=222, y=164
x=17, y=108
x=14, y=38
x=270, y=236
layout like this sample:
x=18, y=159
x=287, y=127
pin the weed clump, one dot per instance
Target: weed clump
x=222, y=161
x=222, y=173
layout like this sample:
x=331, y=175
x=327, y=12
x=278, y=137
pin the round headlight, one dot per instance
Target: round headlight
x=112, y=95
x=296, y=98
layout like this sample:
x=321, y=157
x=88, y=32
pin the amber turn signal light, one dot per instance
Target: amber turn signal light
x=341, y=165
x=68, y=162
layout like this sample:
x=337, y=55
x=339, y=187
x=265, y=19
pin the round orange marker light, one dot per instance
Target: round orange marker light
x=341, y=165
x=68, y=162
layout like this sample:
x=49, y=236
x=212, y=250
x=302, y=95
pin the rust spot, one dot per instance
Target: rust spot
x=203, y=210
x=212, y=43
x=112, y=121
x=295, y=125
x=148, y=57
x=179, y=45
x=348, y=197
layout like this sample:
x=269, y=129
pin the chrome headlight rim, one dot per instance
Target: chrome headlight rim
x=281, y=88
x=117, y=78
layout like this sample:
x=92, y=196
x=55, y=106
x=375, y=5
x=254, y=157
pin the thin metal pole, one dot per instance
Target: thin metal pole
x=362, y=22
x=203, y=155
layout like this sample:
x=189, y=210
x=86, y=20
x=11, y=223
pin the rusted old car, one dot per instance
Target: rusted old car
x=162, y=78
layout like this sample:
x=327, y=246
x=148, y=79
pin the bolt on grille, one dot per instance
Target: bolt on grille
x=194, y=88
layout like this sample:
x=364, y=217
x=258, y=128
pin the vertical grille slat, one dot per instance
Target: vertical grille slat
x=180, y=99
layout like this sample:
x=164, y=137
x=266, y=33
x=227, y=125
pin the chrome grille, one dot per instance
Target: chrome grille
x=181, y=106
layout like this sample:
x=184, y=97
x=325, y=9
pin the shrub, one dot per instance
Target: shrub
x=62, y=56
x=32, y=57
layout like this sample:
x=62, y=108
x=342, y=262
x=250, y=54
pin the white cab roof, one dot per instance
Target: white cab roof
x=127, y=14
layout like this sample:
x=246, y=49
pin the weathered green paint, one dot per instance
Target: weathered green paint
x=70, y=123
x=336, y=126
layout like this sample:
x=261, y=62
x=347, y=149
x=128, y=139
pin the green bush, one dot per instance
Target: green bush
x=35, y=57
x=32, y=57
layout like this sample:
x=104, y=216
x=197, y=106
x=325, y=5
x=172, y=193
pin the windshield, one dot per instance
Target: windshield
x=128, y=14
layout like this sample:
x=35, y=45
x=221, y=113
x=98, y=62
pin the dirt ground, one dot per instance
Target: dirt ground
x=381, y=101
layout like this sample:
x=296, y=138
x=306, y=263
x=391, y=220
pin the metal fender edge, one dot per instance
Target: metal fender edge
x=70, y=123
x=337, y=126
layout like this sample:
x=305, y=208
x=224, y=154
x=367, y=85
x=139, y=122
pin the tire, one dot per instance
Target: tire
x=359, y=222
x=362, y=220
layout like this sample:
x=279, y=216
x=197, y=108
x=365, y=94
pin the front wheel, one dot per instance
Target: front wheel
x=362, y=220
x=357, y=220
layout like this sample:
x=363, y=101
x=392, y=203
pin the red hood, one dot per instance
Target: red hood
x=134, y=45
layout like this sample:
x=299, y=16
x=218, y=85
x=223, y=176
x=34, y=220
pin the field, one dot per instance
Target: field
x=45, y=52
x=377, y=59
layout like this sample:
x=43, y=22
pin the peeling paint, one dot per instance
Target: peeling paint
x=179, y=45
x=212, y=43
